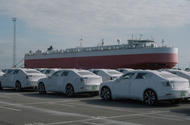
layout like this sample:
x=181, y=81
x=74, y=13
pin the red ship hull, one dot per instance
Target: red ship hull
x=135, y=61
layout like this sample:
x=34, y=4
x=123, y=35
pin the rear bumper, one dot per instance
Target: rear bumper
x=89, y=88
x=175, y=94
x=31, y=84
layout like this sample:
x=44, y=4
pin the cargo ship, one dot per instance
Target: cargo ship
x=136, y=54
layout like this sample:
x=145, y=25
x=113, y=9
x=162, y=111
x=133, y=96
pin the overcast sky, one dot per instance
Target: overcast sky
x=61, y=23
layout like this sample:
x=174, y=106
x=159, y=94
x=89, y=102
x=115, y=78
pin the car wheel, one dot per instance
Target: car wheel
x=150, y=97
x=18, y=86
x=106, y=94
x=41, y=88
x=69, y=90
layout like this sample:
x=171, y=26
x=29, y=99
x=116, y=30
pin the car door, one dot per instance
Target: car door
x=5, y=80
x=13, y=77
x=9, y=78
x=63, y=79
x=139, y=84
x=122, y=86
x=51, y=84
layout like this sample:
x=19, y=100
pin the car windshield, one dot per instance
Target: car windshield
x=31, y=71
x=83, y=73
x=47, y=71
x=167, y=75
x=113, y=72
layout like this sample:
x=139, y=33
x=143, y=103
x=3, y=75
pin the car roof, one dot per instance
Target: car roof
x=103, y=70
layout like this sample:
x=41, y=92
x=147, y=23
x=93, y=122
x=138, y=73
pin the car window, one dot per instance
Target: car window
x=128, y=76
x=65, y=73
x=47, y=71
x=9, y=71
x=56, y=73
x=15, y=71
x=95, y=72
x=141, y=76
x=174, y=72
x=31, y=71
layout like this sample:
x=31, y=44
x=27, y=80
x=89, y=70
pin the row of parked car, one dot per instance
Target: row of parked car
x=148, y=86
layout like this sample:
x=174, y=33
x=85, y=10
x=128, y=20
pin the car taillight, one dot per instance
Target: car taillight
x=81, y=79
x=167, y=84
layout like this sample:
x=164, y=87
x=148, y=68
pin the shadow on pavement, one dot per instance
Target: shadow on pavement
x=127, y=103
x=93, y=100
x=8, y=90
x=55, y=95
x=185, y=111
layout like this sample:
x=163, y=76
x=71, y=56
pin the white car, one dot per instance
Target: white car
x=70, y=81
x=147, y=86
x=124, y=70
x=180, y=73
x=19, y=78
x=48, y=72
x=1, y=73
x=107, y=74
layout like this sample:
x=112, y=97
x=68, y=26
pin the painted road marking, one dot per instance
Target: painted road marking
x=111, y=117
x=13, y=109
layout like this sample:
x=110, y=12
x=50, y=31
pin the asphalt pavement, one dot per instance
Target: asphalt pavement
x=30, y=108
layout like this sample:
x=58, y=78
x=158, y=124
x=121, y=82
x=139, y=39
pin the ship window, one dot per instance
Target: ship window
x=141, y=76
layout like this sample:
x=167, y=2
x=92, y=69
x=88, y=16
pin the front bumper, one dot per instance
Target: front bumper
x=175, y=94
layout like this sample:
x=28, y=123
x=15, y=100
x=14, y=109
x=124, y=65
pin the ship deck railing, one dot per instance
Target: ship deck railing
x=91, y=49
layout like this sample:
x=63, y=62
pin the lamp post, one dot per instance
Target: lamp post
x=14, y=41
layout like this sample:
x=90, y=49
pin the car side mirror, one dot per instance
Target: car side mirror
x=49, y=77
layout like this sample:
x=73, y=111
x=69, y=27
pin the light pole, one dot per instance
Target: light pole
x=14, y=41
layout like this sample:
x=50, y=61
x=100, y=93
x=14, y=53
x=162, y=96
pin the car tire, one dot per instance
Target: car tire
x=1, y=88
x=69, y=90
x=18, y=86
x=106, y=94
x=150, y=97
x=41, y=88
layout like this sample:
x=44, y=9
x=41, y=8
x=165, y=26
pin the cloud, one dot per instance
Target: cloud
x=97, y=16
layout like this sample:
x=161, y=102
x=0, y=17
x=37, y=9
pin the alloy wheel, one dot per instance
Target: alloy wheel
x=18, y=86
x=106, y=93
x=69, y=90
x=150, y=97
x=41, y=88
